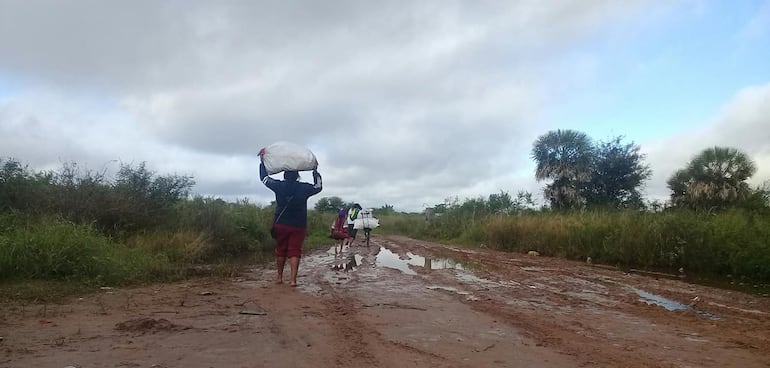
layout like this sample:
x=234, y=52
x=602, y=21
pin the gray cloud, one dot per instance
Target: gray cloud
x=743, y=123
x=404, y=102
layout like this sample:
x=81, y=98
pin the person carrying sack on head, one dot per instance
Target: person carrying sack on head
x=290, y=219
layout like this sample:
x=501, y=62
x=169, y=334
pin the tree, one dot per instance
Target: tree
x=617, y=173
x=329, y=204
x=500, y=203
x=386, y=209
x=565, y=157
x=715, y=178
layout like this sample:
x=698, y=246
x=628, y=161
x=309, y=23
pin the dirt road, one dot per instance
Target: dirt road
x=400, y=303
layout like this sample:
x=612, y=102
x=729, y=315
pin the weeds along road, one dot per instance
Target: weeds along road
x=400, y=303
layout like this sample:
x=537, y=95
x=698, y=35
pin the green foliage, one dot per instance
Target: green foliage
x=318, y=229
x=565, y=157
x=608, y=174
x=136, y=199
x=386, y=209
x=729, y=242
x=715, y=179
x=76, y=225
x=732, y=242
x=21, y=189
x=329, y=204
x=143, y=198
x=616, y=175
x=55, y=249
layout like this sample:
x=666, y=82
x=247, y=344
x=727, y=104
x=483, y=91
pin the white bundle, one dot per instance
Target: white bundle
x=365, y=220
x=286, y=156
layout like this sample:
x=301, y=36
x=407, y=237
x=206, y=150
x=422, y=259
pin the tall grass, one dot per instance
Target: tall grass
x=77, y=225
x=735, y=242
x=55, y=249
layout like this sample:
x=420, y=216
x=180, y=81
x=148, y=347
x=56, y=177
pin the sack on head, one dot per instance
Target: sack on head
x=286, y=156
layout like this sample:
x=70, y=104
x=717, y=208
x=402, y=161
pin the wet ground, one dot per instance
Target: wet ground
x=400, y=303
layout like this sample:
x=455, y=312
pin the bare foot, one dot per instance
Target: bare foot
x=293, y=284
x=278, y=280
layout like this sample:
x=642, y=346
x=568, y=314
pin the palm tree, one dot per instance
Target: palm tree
x=564, y=156
x=716, y=177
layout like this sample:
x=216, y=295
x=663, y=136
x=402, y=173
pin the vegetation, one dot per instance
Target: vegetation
x=733, y=242
x=607, y=174
x=78, y=227
x=715, y=179
x=565, y=157
x=329, y=204
x=617, y=173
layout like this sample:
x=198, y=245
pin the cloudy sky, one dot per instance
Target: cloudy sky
x=404, y=102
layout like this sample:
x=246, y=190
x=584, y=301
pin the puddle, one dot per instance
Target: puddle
x=670, y=305
x=386, y=258
x=433, y=263
x=658, y=300
x=348, y=263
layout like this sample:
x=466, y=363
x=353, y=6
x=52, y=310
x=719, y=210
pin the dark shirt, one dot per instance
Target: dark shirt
x=291, y=197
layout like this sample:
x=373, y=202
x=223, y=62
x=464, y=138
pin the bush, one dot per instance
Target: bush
x=55, y=249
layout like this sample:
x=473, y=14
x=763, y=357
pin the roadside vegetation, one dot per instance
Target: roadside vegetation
x=75, y=229
x=78, y=227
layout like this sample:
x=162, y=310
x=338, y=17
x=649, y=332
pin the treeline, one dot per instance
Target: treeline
x=74, y=224
x=714, y=223
x=581, y=173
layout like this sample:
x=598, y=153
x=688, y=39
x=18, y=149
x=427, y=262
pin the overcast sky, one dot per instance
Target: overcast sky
x=404, y=102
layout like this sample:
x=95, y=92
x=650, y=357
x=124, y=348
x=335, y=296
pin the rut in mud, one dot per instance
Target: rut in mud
x=400, y=303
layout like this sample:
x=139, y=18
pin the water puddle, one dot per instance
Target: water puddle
x=433, y=263
x=386, y=258
x=658, y=300
x=670, y=305
x=348, y=263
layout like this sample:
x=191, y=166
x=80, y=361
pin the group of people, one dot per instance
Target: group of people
x=348, y=222
x=290, y=219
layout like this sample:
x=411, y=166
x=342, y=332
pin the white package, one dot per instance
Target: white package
x=366, y=220
x=283, y=156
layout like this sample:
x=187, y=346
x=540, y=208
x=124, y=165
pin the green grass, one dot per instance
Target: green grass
x=735, y=243
x=56, y=250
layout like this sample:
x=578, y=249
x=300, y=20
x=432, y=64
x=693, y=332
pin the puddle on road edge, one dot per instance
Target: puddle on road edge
x=386, y=258
x=670, y=305
x=348, y=263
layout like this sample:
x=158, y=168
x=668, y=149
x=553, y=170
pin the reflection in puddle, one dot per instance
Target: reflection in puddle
x=348, y=263
x=670, y=305
x=433, y=263
x=389, y=259
x=658, y=300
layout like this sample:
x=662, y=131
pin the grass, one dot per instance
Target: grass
x=73, y=230
x=735, y=243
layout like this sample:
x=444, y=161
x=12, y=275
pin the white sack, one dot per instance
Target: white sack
x=365, y=220
x=283, y=156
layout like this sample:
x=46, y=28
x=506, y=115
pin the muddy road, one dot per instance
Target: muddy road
x=400, y=303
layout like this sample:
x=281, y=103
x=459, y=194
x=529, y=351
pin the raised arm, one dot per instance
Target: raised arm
x=317, y=183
